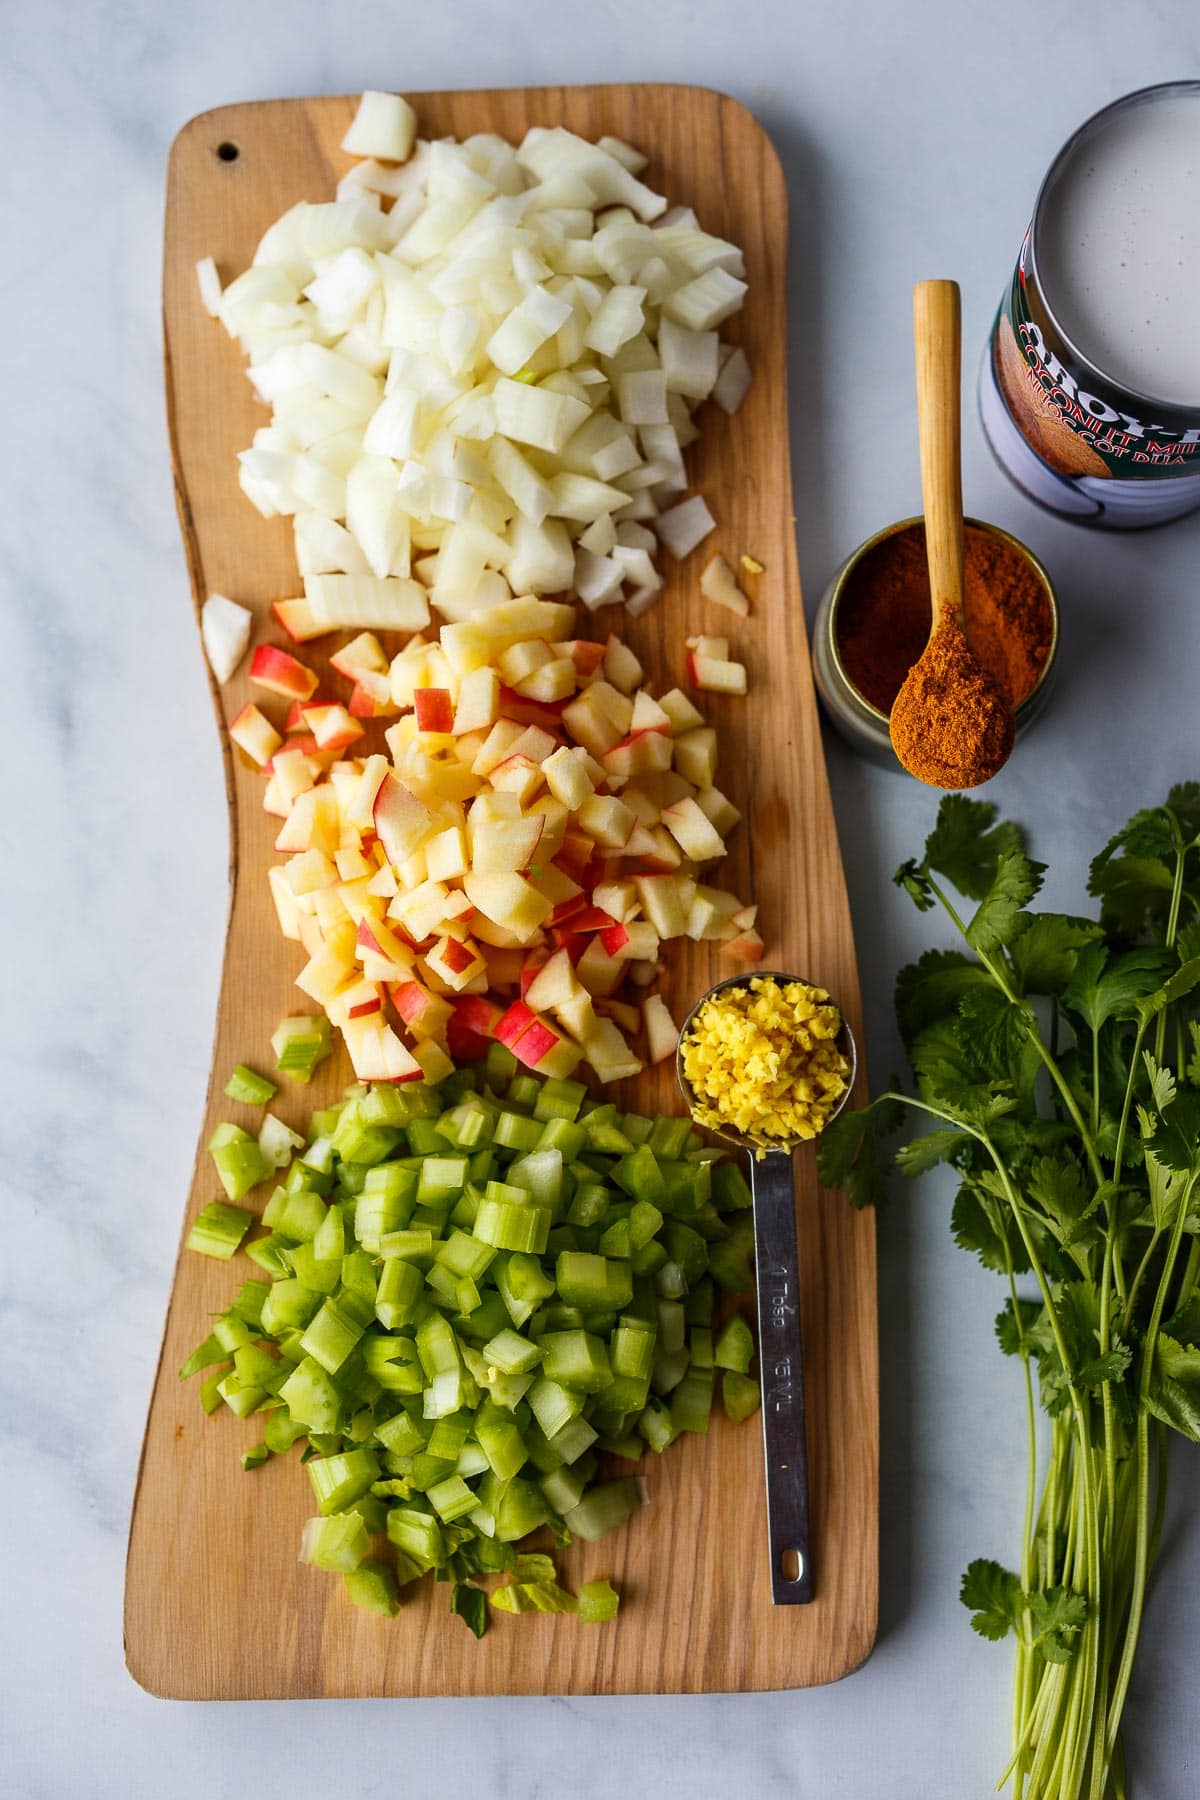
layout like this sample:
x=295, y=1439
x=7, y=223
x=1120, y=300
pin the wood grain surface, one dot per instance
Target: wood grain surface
x=217, y=1605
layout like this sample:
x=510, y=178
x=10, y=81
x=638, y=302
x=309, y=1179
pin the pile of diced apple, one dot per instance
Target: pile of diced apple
x=541, y=825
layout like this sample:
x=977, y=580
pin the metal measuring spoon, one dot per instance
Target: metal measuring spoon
x=780, y=1348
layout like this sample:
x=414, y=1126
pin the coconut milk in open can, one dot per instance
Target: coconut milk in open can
x=1090, y=388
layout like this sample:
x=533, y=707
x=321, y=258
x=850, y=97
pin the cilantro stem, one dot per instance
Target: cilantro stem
x=1142, y=1439
x=1160, y=1030
x=1048, y=1060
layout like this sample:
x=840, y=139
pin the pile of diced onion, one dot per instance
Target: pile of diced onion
x=482, y=364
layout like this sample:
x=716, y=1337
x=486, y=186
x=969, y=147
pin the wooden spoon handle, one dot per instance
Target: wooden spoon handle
x=937, y=336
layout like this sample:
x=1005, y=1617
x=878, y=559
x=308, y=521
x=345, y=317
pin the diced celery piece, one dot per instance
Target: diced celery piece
x=219, y=1229
x=256, y=1457
x=553, y=1405
x=735, y=1346
x=668, y=1137
x=576, y=1359
x=322, y=1277
x=398, y=1295
x=248, y=1086
x=280, y=1430
x=730, y=1188
x=593, y=1281
x=418, y=1534
x=507, y=1225
x=451, y=1498
x=337, y=1544
x=267, y=1252
x=300, y=1043
x=598, y=1602
x=338, y=1481
x=572, y=1440
x=632, y=1349
x=239, y=1162
x=372, y=1586
x=655, y=1425
x=691, y=1400
x=559, y=1099
x=740, y=1394
x=401, y=1435
x=603, y=1507
x=238, y=1397
x=511, y=1353
x=335, y=1331
x=731, y=1262
x=521, y=1510
x=311, y=1397
x=700, y=1347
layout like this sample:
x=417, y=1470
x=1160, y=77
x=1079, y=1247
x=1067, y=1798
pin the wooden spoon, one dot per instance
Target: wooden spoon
x=950, y=725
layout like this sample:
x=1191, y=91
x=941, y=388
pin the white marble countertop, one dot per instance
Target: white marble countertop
x=914, y=138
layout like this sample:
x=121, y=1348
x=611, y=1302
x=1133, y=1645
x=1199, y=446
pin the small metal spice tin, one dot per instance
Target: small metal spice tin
x=862, y=725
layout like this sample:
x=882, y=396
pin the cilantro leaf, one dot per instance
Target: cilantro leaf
x=1044, y=955
x=929, y=1149
x=979, y=1223
x=912, y=878
x=1131, y=890
x=1056, y=1184
x=1193, y=1065
x=1104, y=988
x=963, y=848
x=993, y=1596
x=851, y=1156
x=1056, y=1614
x=1162, y=1082
x=934, y=985
x=1177, y=987
x=1176, y=1138
x=1174, y=1395
x=999, y=917
x=469, y=1603
x=1012, y=1328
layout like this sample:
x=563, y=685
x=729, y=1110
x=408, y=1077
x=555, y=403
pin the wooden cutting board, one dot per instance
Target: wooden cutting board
x=217, y=1606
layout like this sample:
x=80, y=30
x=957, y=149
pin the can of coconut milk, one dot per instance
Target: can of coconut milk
x=1090, y=388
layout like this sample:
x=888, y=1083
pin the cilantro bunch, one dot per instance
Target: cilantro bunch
x=1058, y=1058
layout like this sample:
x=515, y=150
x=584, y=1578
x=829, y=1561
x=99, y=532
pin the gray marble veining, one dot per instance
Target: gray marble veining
x=914, y=138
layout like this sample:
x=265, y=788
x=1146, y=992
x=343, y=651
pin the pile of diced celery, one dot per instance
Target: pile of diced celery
x=476, y=1291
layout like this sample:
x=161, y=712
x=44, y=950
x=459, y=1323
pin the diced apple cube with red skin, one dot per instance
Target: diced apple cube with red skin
x=363, y=655
x=719, y=583
x=523, y=710
x=696, y=756
x=561, y=1061
x=567, y=777
x=642, y=944
x=692, y=831
x=292, y=773
x=599, y=972
x=521, y=659
x=423, y=1012
x=640, y=846
x=566, y=911
x=380, y=951
x=586, y=656
x=680, y=711
x=607, y=821
x=299, y=621
x=621, y=666
x=608, y=1053
x=286, y=910
x=478, y=702
x=421, y=910
x=377, y=1054
x=720, y=812
x=644, y=753
x=618, y=899
x=536, y=743
x=446, y=855
x=254, y=733
x=704, y=921
x=456, y=964
x=360, y=808
x=666, y=901
x=648, y=715
x=512, y=1023
x=362, y=998
x=402, y=822
x=496, y=746
x=662, y=1033
x=371, y=698
x=506, y=848
x=281, y=673
x=332, y=726
x=717, y=676
x=616, y=706
x=434, y=709
x=746, y=947
x=508, y=901
x=274, y=802
x=589, y=724
x=475, y=1012
x=715, y=647
x=627, y=1017
x=614, y=938
x=518, y=776
x=553, y=984
x=550, y=684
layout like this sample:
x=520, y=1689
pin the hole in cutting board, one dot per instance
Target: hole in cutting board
x=228, y=152
x=791, y=1565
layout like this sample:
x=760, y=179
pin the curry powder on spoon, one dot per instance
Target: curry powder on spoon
x=951, y=725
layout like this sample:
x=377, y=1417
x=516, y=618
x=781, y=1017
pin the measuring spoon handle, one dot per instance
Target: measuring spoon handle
x=781, y=1364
